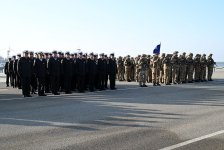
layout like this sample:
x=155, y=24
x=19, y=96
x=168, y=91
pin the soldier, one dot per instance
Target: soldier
x=127, y=64
x=47, y=76
x=102, y=64
x=161, y=75
x=137, y=68
x=81, y=70
x=40, y=67
x=167, y=69
x=6, y=70
x=112, y=71
x=92, y=67
x=197, y=68
x=149, y=74
x=210, y=65
x=74, y=78
x=107, y=71
x=203, y=64
x=33, y=77
x=67, y=64
x=155, y=70
x=190, y=68
x=120, y=67
x=25, y=70
x=182, y=60
x=143, y=68
x=54, y=68
x=132, y=69
x=16, y=70
x=11, y=73
x=175, y=67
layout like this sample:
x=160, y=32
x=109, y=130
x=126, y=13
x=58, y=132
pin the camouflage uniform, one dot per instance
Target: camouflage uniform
x=190, y=68
x=132, y=69
x=203, y=64
x=197, y=68
x=149, y=74
x=127, y=64
x=137, y=68
x=143, y=67
x=210, y=65
x=183, y=68
x=161, y=77
x=167, y=69
x=175, y=68
x=155, y=70
x=120, y=67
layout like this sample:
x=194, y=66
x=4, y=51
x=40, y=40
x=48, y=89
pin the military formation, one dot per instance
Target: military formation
x=165, y=69
x=57, y=72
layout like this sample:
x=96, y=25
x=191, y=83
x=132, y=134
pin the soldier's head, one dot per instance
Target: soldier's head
x=41, y=55
x=163, y=55
x=26, y=53
x=91, y=56
x=143, y=55
x=184, y=54
x=112, y=55
x=31, y=54
x=75, y=55
x=55, y=55
x=46, y=55
x=190, y=55
x=18, y=56
x=175, y=53
x=67, y=55
x=102, y=55
x=95, y=56
x=210, y=55
x=13, y=57
x=80, y=55
x=204, y=55
x=9, y=59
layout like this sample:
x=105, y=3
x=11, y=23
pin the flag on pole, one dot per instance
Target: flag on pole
x=157, y=49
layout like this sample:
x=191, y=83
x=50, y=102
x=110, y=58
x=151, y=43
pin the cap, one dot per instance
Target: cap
x=112, y=54
x=14, y=56
x=19, y=55
x=54, y=52
x=31, y=53
x=102, y=54
x=67, y=53
x=26, y=52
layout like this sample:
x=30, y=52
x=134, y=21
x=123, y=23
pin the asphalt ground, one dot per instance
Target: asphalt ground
x=185, y=117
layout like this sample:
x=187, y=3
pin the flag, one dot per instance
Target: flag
x=157, y=49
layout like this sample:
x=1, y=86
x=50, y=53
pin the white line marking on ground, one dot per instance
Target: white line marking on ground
x=193, y=140
x=41, y=121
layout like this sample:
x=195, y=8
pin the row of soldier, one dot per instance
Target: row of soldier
x=166, y=68
x=58, y=72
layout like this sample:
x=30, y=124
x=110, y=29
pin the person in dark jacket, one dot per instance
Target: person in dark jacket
x=47, y=77
x=67, y=64
x=54, y=68
x=41, y=71
x=106, y=60
x=6, y=70
x=11, y=72
x=112, y=71
x=81, y=70
x=25, y=67
x=33, y=77
x=17, y=74
x=92, y=72
x=102, y=71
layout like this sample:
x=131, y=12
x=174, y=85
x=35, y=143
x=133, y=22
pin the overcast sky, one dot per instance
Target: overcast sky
x=120, y=26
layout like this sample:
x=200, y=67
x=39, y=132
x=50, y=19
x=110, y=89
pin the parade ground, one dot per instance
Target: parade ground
x=184, y=117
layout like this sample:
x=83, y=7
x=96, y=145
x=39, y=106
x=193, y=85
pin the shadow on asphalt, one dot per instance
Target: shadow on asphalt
x=87, y=111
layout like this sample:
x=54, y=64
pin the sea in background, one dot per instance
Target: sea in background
x=219, y=64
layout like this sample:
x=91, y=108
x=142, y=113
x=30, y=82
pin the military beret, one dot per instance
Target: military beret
x=210, y=54
x=51, y=54
x=143, y=55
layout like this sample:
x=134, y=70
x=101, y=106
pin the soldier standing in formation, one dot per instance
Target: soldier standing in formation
x=143, y=68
